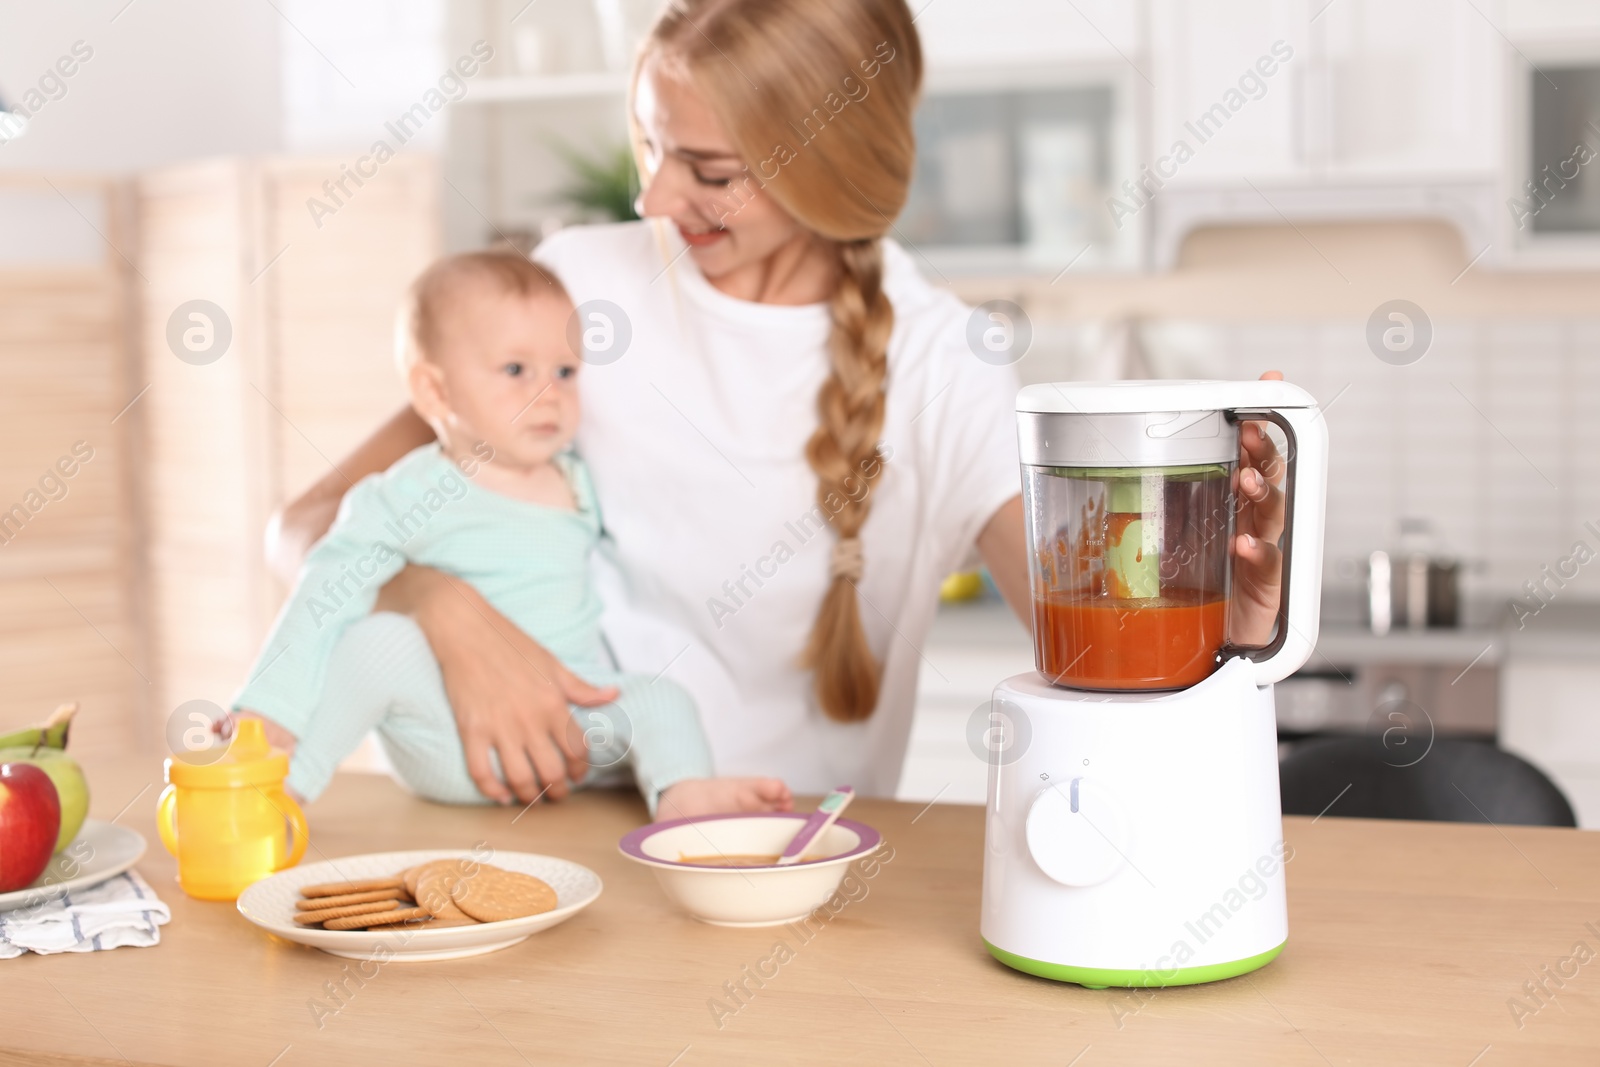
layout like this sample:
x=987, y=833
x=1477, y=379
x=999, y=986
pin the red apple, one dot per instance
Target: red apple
x=30, y=820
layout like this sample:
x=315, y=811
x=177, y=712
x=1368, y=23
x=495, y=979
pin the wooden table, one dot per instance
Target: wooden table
x=1408, y=943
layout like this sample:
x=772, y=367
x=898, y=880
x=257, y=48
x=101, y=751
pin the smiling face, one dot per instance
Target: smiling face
x=696, y=179
x=499, y=371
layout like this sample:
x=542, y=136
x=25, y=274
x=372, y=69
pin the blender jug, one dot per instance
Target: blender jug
x=1131, y=517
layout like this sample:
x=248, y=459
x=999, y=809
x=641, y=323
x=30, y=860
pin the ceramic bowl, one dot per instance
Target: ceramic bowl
x=747, y=896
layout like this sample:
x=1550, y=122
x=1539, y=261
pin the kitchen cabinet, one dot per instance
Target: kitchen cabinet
x=971, y=648
x=1199, y=54
x=70, y=620
x=1549, y=183
x=1381, y=111
x=1257, y=110
x=1014, y=173
x=1030, y=116
x=1404, y=89
x=1352, y=89
x=1550, y=716
x=309, y=300
x=1011, y=33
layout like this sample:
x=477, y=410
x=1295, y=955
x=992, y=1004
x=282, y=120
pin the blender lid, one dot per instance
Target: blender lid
x=1155, y=441
x=1137, y=397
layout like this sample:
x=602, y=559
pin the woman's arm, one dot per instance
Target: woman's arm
x=300, y=523
x=1003, y=546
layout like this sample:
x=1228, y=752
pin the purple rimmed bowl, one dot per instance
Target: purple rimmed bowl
x=678, y=852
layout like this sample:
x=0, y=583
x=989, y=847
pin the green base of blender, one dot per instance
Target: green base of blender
x=1101, y=977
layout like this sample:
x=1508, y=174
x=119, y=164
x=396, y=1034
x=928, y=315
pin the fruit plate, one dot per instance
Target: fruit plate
x=101, y=850
x=270, y=905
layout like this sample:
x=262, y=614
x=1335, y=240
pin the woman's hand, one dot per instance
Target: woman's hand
x=1258, y=562
x=510, y=695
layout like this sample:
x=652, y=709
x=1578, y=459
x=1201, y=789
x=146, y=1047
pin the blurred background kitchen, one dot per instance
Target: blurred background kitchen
x=292, y=165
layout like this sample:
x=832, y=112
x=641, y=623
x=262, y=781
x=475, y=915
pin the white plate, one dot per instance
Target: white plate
x=270, y=905
x=101, y=850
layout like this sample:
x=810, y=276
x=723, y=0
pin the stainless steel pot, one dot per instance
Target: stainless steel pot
x=1412, y=592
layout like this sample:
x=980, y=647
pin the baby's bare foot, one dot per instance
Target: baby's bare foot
x=720, y=796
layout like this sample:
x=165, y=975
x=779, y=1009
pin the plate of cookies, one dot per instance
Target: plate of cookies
x=437, y=905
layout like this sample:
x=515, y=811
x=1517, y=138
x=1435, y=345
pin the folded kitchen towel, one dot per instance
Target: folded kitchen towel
x=119, y=911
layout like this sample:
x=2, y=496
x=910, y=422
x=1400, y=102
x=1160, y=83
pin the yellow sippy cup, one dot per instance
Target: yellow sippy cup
x=230, y=823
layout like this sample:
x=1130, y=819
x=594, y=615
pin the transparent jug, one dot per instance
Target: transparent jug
x=1131, y=498
x=1130, y=572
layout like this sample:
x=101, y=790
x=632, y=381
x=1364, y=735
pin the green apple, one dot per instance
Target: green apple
x=71, y=786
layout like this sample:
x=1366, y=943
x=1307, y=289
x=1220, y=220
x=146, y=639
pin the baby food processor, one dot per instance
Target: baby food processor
x=1133, y=834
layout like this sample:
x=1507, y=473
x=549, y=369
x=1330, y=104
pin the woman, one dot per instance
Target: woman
x=796, y=445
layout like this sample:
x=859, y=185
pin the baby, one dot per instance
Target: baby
x=500, y=502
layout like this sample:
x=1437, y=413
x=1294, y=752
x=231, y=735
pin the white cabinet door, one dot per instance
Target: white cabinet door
x=1228, y=76
x=1370, y=89
x=999, y=33
x=1549, y=20
x=970, y=650
x=1549, y=716
x=1405, y=88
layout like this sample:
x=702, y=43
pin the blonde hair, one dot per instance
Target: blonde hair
x=508, y=272
x=817, y=98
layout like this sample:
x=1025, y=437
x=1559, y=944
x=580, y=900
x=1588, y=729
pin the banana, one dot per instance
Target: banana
x=52, y=733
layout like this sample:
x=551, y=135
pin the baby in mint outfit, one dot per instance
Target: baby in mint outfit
x=502, y=503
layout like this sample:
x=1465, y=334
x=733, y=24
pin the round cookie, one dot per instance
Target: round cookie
x=435, y=891
x=411, y=876
x=496, y=895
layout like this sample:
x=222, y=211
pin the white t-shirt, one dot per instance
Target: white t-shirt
x=696, y=436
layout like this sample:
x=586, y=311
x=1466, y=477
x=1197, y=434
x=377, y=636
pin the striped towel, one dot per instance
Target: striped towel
x=119, y=911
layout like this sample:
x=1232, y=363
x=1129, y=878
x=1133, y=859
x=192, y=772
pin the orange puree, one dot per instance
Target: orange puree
x=1098, y=642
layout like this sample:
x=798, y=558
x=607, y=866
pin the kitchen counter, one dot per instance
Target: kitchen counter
x=1560, y=631
x=1490, y=630
x=1344, y=644
x=1567, y=634
x=1407, y=944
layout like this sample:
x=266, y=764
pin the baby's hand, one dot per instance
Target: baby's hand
x=718, y=796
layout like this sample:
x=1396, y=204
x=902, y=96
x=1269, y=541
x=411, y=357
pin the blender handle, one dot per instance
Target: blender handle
x=1305, y=490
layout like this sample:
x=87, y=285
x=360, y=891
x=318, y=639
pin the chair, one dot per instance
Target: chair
x=1456, y=781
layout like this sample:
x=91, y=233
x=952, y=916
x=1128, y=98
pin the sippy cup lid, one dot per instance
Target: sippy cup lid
x=249, y=760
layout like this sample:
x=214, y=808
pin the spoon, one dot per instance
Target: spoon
x=831, y=807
